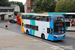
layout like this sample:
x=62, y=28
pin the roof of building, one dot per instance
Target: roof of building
x=1, y=7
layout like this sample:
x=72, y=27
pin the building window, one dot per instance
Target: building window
x=10, y=10
x=28, y=0
x=0, y=10
x=9, y=15
x=28, y=6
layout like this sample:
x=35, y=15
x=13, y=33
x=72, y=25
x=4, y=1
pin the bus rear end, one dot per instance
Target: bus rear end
x=18, y=18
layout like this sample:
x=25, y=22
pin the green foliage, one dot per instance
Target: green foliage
x=20, y=4
x=16, y=13
x=44, y=6
x=4, y=3
x=65, y=6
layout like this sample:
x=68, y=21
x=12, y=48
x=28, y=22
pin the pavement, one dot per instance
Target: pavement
x=71, y=29
x=10, y=40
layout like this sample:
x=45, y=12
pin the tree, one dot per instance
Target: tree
x=65, y=6
x=4, y=3
x=44, y=6
x=16, y=13
x=20, y=4
x=4, y=0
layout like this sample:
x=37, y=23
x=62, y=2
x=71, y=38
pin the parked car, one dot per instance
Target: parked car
x=13, y=21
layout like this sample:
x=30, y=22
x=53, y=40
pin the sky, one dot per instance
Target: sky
x=23, y=1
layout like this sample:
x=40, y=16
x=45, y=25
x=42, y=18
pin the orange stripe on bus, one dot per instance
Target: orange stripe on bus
x=22, y=26
x=44, y=13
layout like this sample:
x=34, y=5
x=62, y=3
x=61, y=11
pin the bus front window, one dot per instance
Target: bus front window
x=59, y=25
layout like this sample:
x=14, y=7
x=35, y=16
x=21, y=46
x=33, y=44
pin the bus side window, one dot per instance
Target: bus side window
x=30, y=26
x=27, y=17
x=27, y=26
x=33, y=27
x=30, y=17
x=38, y=17
x=43, y=18
x=48, y=19
x=23, y=16
x=33, y=17
x=37, y=28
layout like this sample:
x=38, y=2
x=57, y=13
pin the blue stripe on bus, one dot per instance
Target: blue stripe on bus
x=30, y=32
x=50, y=36
x=51, y=23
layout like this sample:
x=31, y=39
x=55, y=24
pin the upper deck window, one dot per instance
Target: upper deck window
x=33, y=17
x=27, y=16
x=38, y=17
x=23, y=16
x=48, y=19
x=43, y=18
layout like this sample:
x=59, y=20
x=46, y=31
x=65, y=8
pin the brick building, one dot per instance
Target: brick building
x=29, y=6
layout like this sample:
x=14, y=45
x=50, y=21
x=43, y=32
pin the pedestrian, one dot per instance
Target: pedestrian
x=6, y=24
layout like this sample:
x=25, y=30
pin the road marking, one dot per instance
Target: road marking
x=62, y=46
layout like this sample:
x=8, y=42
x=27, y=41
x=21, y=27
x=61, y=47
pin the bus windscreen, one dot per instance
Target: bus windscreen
x=59, y=25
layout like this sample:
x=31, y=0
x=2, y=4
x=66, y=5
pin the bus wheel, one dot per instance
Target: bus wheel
x=43, y=36
x=27, y=32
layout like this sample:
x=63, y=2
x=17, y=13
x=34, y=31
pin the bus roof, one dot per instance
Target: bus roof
x=54, y=15
x=58, y=13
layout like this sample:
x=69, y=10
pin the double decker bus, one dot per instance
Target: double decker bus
x=18, y=18
x=50, y=27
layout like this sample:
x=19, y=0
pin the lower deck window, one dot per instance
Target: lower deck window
x=31, y=27
x=27, y=26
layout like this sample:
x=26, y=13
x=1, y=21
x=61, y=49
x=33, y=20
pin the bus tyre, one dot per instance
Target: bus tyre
x=27, y=32
x=43, y=36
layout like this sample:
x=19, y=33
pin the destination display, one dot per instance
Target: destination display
x=59, y=24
